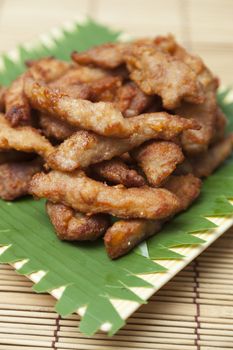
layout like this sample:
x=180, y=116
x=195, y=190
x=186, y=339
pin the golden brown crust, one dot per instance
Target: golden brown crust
x=132, y=101
x=104, y=89
x=15, y=178
x=197, y=141
x=80, y=74
x=124, y=235
x=100, y=117
x=117, y=172
x=205, y=113
x=84, y=148
x=220, y=125
x=55, y=128
x=88, y=196
x=205, y=164
x=95, y=105
x=158, y=159
x=105, y=56
x=158, y=73
x=48, y=69
x=73, y=226
x=24, y=138
x=185, y=187
x=17, y=105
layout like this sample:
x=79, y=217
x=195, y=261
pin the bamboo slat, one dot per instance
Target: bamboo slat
x=189, y=313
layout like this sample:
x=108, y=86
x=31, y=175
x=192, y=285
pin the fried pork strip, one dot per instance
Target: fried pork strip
x=206, y=163
x=15, y=178
x=162, y=67
x=80, y=74
x=48, y=69
x=100, y=117
x=185, y=187
x=131, y=101
x=158, y=73
x=89, y=196
x=79, y=83
x=107, y=56
x=117, y=172
x=24, y=138
x=73, y=226
x=96, y=83
x=195, y=142
x=17, y=105
x=124, y=235
x=84, y=148
x=60, y=129
x=220, y=125
x=55, y=128
x=154, y=71
x=104, y=89
x=205, y=113
x=158, y=159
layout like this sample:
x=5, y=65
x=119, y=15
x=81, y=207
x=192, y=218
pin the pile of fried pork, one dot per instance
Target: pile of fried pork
x=125, y=130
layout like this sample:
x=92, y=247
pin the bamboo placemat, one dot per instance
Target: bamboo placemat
x=192, y=312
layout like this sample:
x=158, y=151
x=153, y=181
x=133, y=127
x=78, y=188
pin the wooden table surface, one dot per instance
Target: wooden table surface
x=204, y=26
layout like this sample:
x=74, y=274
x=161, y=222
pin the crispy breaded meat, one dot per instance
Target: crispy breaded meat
x=220, y=125
x=124, y=235
x=207, y=162
x=158, y=73
x=169, y=45
x=84, y=148
x=185, y=187
x=71, y=225
x=78, y=91
x=131, y=101
x=89, y=196
x=17, y=105
x=158, y=159
x=104, y=89
x=48, y=69
x=197, y=141
x=24, y=138
x=91, y=83
x=105, y=56
x=205, y=113
x=117, y=172
x=101, y=117
x=55, y=128
x=72, y=84
x=119, y=151
x=15, y=178
x=80, y=74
